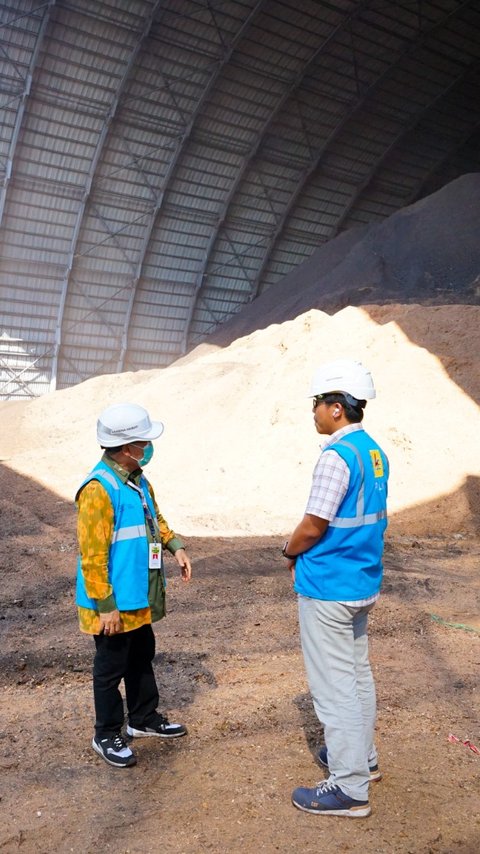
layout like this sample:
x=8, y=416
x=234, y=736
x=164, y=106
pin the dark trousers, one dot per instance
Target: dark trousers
x=126, y=656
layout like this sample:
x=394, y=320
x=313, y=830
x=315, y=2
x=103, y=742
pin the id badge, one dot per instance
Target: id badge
x=155, y=556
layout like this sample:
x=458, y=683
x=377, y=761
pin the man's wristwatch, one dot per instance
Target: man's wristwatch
x=285, y=553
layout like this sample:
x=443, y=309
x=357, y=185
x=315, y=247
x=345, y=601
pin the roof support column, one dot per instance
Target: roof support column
x=88, y=186
x=21, y=110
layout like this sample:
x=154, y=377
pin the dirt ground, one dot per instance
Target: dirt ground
x=229, y=666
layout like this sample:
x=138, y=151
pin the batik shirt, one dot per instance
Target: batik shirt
x=94, y=531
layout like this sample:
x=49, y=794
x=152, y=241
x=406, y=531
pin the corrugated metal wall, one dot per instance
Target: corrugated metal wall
x=162, y=163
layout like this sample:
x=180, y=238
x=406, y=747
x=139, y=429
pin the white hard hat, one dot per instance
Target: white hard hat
x=345, y=376
x=123, y=423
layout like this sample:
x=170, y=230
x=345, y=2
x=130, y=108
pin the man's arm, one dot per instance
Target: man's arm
x=171, y=542
x=307, y=534
x=329, y=486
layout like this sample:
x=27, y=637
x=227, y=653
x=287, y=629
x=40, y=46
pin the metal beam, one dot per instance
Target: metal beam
x=416, y=194
x=412, y=124
x=87, y=191
x=29, y=14
x=178, y=151
x=316, y=161
x=50, y=350
x=16, y=379
x=294, y=85
x=23, y=96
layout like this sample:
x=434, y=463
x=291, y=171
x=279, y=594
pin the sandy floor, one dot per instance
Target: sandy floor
x=229, y=666
x=232, y=474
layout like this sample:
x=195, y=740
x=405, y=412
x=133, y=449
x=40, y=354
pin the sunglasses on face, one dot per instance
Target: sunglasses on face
x=319, y=398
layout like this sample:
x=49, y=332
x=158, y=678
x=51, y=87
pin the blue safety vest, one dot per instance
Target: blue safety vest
x=346, y=564
x=128, y=555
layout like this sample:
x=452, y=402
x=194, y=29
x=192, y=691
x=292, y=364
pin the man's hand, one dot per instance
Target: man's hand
x=291, y=567
x=110, y=623
x=184, y=563
x=307, y=533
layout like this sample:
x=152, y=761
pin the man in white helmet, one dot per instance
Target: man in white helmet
x=121, y=582
x=335, y=556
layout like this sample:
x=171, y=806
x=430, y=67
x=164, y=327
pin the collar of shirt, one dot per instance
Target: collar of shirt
x=122, y=473
x=339, y=434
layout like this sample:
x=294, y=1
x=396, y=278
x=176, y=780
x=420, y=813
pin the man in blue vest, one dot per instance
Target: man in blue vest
x=335, y=556
x=121, y=583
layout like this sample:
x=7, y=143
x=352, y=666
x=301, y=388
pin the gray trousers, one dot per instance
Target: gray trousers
x=335, y=650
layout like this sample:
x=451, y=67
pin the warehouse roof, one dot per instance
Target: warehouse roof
x=163, y=163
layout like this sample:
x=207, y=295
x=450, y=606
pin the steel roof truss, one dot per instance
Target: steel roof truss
x=294, y=85
x=93, y=165
x=313, y=166
x=412, y=124
x=23, y=95
x=175, y=160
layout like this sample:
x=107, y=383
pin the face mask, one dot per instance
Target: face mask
x=147, y=455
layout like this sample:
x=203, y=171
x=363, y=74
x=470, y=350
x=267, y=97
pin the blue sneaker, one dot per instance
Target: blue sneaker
x=375, y=774
x=328, y=799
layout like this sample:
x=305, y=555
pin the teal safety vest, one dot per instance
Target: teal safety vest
x=346, y=564
x=128, y=555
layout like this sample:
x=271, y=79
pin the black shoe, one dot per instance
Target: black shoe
x=375, y=774
x=115, y=751
x=160, y=727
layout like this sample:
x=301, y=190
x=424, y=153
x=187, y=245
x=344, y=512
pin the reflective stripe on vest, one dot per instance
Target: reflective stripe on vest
x=360, y=519
x=108, y=476
x=131, y=532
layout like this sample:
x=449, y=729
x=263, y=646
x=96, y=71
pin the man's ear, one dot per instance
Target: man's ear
x=121, y=450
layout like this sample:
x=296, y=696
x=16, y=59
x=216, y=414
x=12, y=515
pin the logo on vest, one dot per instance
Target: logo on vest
x=377, y=463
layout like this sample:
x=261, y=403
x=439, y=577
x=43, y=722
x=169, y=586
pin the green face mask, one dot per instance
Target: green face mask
x=147, y=455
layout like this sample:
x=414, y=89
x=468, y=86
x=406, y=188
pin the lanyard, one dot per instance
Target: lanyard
x=151, y=521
